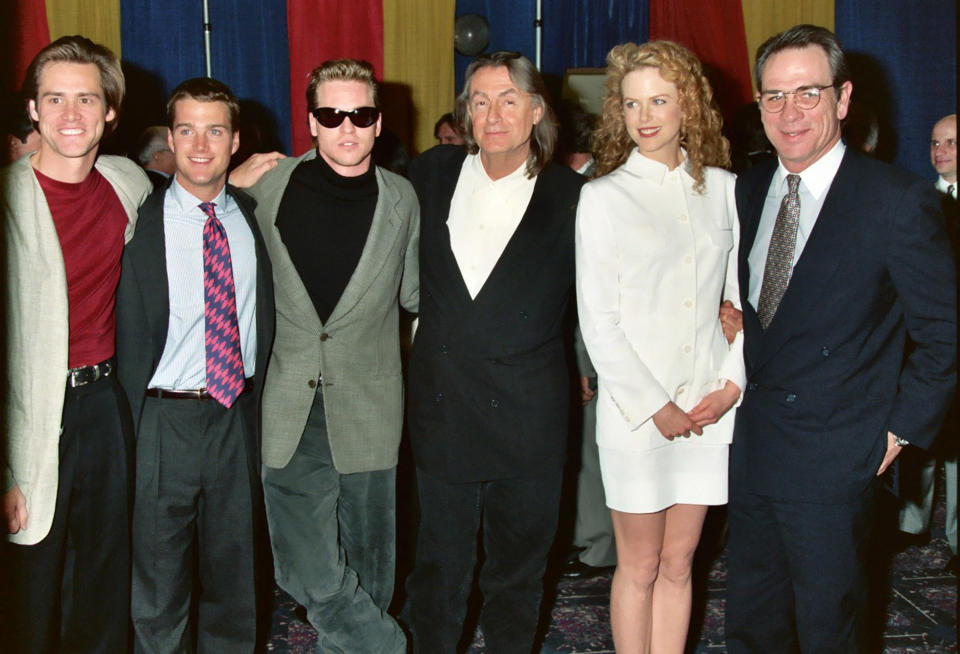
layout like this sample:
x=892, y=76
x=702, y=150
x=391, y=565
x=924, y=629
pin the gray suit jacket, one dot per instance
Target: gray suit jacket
x=37, y=333
x=357, y=350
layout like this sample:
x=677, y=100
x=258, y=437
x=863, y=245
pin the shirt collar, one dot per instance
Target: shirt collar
x=943, y=185
x=475, y=167
x=187, y=202
x=817, y=177
x=654, y=171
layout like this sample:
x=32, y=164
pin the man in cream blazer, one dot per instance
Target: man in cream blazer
x=66, y=436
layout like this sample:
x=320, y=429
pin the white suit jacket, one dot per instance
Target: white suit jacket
x=37, y=332
x=654, y=261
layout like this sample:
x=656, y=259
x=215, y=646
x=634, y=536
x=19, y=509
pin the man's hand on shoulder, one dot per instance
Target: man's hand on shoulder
x=250, y=171
x=892, y=451
x=15, y=510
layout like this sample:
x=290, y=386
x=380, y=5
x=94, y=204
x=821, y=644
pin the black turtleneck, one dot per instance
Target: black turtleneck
x=324, y=219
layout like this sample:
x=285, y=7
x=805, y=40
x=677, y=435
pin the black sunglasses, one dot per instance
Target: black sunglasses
x=360, y=117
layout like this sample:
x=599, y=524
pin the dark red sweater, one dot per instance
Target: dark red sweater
x=90, y=222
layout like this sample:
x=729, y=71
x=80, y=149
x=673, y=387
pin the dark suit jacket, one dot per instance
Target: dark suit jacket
x=157, y=179
x=488, y=392
x=829, y=377
x=143, y=309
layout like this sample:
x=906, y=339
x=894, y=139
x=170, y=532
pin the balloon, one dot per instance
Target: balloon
x=471, y=35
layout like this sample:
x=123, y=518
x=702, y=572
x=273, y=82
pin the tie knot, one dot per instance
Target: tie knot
x=950, y=189
x=793, y=183
x=207, y=208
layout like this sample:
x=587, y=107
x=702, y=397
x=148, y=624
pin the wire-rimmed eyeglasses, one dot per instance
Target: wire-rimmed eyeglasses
x=805, y=97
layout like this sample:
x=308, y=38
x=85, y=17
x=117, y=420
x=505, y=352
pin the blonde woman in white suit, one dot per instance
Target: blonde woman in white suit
x=656, y=255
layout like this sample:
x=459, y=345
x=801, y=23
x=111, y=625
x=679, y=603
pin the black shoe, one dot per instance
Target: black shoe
x=903, y=540
x=953, y=565
x=577, y=569
x=300, y=613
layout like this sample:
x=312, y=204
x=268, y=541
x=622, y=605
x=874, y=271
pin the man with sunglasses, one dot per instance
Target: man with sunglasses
x=342, y=235
x=841, y=258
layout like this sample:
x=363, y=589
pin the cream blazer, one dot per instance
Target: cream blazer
x=37, y=332
x=654, y=261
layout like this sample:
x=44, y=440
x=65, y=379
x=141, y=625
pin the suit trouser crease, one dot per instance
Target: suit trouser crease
x=518, y=519
x=333, y=538
x=70, y=592
x=193, y=540
x=797, y=575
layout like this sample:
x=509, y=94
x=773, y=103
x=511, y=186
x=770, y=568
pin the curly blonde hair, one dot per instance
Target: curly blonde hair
x=700, y=119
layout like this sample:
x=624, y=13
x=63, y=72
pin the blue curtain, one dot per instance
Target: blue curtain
x=511, y=28
x=904, y=61
x=163, y=45
x=579, y=33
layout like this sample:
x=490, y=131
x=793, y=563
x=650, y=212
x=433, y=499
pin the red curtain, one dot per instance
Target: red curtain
x=328, y=29
x=26, y=32
x=713, y=30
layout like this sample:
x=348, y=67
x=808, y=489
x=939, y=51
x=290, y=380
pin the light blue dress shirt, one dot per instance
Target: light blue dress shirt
x=183, y=364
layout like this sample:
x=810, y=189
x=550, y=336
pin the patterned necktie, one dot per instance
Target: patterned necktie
x=779, y=266
x=950, y=191
x=222, y=334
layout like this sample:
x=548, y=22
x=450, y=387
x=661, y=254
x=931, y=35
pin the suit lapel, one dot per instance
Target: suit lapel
x=150, y=263
x=817, y=264
x=264, y=293
x=441, y=200
x=749, y=223
x=291, y=295
x=521, y=243
x=384, y=231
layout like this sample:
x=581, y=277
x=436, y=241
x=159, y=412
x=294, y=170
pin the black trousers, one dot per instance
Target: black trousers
x=518, y=520
x=193, y=527
x=796, y=577
x=71, y=591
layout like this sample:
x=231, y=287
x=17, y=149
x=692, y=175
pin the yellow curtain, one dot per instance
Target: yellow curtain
x=98, y=20
x=764, y=18
x=417, y=68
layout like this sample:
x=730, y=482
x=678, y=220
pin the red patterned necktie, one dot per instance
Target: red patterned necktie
x=222, y=335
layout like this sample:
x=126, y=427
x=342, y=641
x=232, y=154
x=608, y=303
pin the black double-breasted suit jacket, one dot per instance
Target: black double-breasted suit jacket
x=488, y=383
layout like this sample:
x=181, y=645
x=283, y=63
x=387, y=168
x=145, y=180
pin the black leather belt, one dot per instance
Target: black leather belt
x=198, y=394
x=84, y=375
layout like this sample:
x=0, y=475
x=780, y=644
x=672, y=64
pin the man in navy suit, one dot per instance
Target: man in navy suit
x=841, y=258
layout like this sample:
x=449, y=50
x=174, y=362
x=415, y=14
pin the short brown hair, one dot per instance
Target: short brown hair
x=204, y=89
x=797, y=38
x=701, y=120
x=346, y=70
x=78, y=49
x=543, y=139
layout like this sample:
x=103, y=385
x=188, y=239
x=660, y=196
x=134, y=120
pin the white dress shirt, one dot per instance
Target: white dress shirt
x=484, y=214
x=947, y=187
x=183, y=365
x=815, y=181
x=654, y=261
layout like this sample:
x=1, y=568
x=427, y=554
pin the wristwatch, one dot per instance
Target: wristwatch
x=902, y=442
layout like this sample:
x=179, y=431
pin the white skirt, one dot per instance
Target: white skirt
x=681, y=472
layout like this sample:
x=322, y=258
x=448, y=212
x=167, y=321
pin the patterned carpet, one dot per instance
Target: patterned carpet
x=919, y=609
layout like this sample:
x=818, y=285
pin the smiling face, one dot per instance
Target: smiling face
x=503, y=118
x=943, y=148
x=202, y=141
x=71, y=112
x=346, y=148
x=802, y=136
x=652, y=114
